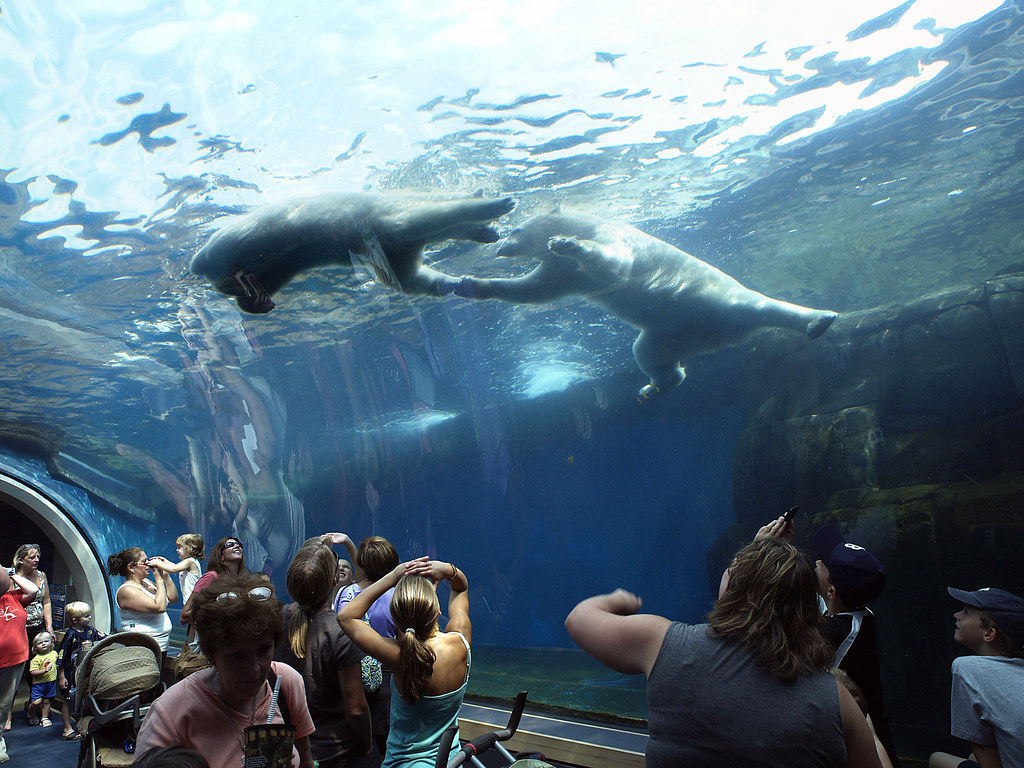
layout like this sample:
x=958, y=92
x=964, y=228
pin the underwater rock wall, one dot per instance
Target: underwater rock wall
x=904, y=424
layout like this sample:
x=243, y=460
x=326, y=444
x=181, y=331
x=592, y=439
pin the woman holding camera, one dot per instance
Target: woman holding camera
x=752, y=686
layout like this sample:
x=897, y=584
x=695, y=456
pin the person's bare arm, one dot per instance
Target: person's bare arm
x=350, y=617
x=458, y=600
x=609, y=629
x=883, y=756
x=142, y=600
x=29, y=589
x=170, y=588
x=987, y=755
x=187, y=611
x=357, y=711
x=47, y=606
x=860, y=744
x=346, y=541
x=944, y=760
x=305, y=755
x=168, y=566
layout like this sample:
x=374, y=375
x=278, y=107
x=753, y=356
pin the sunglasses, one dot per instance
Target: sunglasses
x=256, y=593
x=233, y=545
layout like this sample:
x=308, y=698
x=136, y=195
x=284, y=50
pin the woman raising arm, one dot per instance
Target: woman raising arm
x=751, y=684
x=431, y=667
x=143, y=601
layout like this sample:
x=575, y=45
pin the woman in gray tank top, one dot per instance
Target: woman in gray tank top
x=751, y=687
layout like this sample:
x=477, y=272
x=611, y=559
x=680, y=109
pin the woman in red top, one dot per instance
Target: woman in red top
x=15, y=593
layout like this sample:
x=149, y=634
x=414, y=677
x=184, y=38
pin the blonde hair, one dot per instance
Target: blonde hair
x=77, y=609
x=771, y=605
x=22, y=552
x=415, y=609
x=310, y=582
x=193, y=544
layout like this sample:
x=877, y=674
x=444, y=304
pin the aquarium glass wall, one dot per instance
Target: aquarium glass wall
x=814, y=207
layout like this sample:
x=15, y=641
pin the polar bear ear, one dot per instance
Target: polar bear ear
x=556, y=209
x=479, y=192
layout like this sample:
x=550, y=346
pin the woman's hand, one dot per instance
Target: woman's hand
x=159, y=563
x=418, y=567
x=777, y=528
x=333, y=539
x=624, y=603
x=435, y=570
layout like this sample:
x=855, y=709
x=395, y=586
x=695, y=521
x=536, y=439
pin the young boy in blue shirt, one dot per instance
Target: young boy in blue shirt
x=78, y=639
x=987, y=699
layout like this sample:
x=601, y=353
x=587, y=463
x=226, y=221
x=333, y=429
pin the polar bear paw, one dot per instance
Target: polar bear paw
x=563, y=246
x=820, y=324
x=648, y=392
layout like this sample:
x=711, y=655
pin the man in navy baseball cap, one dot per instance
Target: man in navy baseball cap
x=987, y=699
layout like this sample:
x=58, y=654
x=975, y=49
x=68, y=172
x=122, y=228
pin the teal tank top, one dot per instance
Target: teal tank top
x=416, y=729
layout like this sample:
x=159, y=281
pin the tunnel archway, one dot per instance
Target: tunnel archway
x=85, y=570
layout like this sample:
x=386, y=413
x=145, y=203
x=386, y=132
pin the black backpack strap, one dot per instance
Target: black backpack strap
x=282, y=699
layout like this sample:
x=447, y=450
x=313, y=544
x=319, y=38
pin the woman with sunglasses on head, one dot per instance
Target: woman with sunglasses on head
x=227, y=557
x=430, y=667
x=143, y=601
x=239, y=623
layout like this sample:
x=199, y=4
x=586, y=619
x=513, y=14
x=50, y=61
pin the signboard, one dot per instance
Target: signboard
x=58, y=598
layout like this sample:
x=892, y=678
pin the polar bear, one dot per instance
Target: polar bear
x=682, y=305
x=255, y=255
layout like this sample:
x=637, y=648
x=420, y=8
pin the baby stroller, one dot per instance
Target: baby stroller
x=116, y=682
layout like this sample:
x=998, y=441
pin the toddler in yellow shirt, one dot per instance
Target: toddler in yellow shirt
x=43, y=669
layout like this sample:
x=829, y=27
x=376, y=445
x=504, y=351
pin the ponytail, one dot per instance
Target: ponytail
x=417, y=662
x=310, y=582
x=117, y=565
x=415, y=610
x=298, y=628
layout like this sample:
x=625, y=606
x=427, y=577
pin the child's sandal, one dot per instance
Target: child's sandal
x=45, y=722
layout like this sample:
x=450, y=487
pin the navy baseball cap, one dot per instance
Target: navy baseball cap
x=857, y=575
x=1005, y=608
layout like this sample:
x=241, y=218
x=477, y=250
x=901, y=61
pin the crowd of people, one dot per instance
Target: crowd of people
x=358, y=671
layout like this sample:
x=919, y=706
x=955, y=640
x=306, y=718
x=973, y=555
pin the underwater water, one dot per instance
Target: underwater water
x=853, y=157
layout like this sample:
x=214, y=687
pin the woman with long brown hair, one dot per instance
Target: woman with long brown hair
x=330, y=665
x=227, y=557
x=750, y=686
x=430, y=667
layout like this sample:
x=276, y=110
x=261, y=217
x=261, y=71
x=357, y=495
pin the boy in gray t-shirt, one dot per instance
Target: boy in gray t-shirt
x=987, y=700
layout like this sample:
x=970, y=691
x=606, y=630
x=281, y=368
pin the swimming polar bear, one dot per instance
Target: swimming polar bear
x=682, y=306
x=257, y=254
